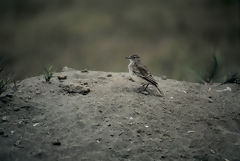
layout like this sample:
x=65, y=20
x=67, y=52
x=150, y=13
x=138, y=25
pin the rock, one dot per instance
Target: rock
x=224, y=90
x=17, y=143
x=20, y=123
x=163, y=156
x=9, y=95
x=84, y=71
x=1, y=132
x=16, y=109
x=36, y=124
x=99, y=140
x=140, y=131
x=212, y=151
x=76, y=88
x=12, y=132
x=210, y=100
x=164, y=77
x=26, y=107
x=62, y=77
x=56, y=143
x=109, y=75
x=4, y=118
x=67, y=69
x=38, y=91
x=190, y=131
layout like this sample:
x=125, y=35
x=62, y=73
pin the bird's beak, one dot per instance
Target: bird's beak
x=128, y=57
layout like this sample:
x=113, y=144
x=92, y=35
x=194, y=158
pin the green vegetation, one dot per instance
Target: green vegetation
x=233, y=77
x=3, y=85
x=48, y=74
x=212, y=71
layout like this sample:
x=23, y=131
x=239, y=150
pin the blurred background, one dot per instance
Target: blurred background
x=174, y=38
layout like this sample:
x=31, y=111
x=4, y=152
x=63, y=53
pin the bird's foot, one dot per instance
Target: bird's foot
x=143, y=90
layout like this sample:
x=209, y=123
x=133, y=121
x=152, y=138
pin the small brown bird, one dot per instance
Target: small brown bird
x=141, y=74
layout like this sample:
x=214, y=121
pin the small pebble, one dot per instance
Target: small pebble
x=84, y=71
x=4, y=118
x=36, y=124
x=57, y=143
x=109, y=75
x=190, y=131
x=16, y=109
x=38, y=92
x=1, y=132
x=17, y=143
x=99, y=140
x=62, y=77
x=212, y=151
x=210, y=100
x=164, y=77
x=26, y=107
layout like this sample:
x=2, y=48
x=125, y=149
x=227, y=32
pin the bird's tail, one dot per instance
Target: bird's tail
x=159, y=91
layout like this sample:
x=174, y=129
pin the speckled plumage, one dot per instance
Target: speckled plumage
x=140, y=73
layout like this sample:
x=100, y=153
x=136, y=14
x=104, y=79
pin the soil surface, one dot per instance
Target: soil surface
x=99, y=116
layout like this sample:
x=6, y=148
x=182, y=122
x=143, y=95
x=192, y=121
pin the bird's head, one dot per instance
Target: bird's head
x=133, y=57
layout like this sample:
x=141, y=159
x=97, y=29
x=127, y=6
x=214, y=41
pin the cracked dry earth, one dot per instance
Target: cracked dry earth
x=112, y=121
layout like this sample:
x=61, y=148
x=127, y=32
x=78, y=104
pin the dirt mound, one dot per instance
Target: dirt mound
x=111, y=120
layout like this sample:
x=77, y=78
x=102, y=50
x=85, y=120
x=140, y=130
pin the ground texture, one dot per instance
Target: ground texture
x=99, y=116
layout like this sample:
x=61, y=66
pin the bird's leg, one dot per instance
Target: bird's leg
x=142, y=88
x=145, y=88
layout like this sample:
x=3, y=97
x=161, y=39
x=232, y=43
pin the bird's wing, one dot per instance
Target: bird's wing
x=142, y=71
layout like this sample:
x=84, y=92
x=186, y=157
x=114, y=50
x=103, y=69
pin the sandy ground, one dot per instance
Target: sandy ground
x=114, y=122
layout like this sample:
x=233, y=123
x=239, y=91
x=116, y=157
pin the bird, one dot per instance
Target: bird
x=140, y=73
